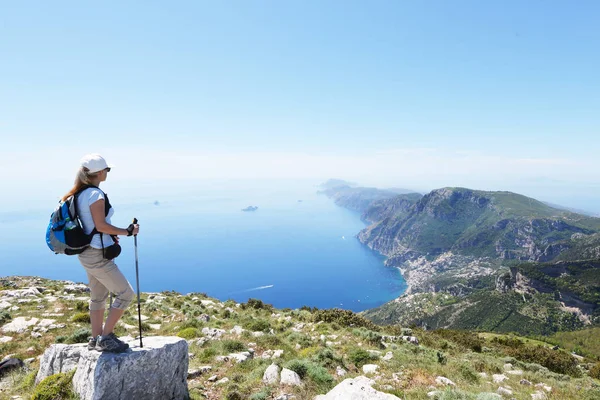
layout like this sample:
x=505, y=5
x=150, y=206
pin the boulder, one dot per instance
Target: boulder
x=213, y=333
x=271, y=375
x=289, y=377
x=499, y=378
x=76, y=288
x=370, y=368
x=504, y=391
x=357, y=389
x=442, y=380
x=157, y=371
x=19, y=325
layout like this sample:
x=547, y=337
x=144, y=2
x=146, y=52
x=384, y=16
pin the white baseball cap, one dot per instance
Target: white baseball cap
x=94, y=163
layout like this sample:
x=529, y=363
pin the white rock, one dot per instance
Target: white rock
x=538, y=396
x=19, y=325
x=213, y=378
x=271, y=375
x=442, y=380
x=238, y=330
x=499, y=378
x=434, y=393
x=222, y=381
x=483, y=375
x=508, y=366
x=46, y=323
x=525, y=382
x=207, y=302
x=4, y=304
x=289, y=377
x=76, y=288
x=357, y=389
x=157, y=371
x=20, y=293
x=370, y=368
x=5, y=339
x=258, y=334
x=339, y=371
x=298, y=347
x=154, y=326
x=388, y=356
x=213, y=333
x=515, y=372
x=504, y=391
x=36, y=334
x=544, y=386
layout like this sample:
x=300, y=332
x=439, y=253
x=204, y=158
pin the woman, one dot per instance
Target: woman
x=104, y=276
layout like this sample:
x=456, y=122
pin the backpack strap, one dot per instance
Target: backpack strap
x=107, y=208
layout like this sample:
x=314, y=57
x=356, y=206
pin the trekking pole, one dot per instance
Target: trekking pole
x=137, y=279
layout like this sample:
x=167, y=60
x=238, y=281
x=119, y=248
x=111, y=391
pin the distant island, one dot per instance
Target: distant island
x=156, y=203
x=250, y=208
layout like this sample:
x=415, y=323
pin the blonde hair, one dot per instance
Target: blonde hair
x=83, y=178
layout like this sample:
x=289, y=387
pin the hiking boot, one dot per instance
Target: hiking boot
x=92, y=343
x=111, y=344
x=112, y=335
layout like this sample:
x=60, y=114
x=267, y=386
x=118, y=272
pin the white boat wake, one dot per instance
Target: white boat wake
x=256, y=288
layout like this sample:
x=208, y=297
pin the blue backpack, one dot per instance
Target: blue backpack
x=65, y=234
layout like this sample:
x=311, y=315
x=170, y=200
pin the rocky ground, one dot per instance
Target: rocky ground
x=253, y=351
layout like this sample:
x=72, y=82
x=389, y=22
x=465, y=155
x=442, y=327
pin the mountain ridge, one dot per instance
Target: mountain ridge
x=459, y=242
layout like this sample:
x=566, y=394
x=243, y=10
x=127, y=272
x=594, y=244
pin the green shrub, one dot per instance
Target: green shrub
x=61, y=339
x=4, y=317
x=595, y=371
x=188, y=333
x=326, y=358
x=81, y=306
x=207, y=354
x=319, y=375
x=258, y=305
x=360, y=357
x=469, y=373
x=370, y=336
x=233, y=346
x=300, y=338
x=264, y=394
x=28, y=382
x=261, y=325
x=343, y=318
x=555, y=360
x=81, y=317
x=192, y=323
x=55, y=387
x=298, y=366
x=465, y=339
x=81, y=335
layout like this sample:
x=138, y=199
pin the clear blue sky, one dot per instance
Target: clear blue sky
x=325, y=83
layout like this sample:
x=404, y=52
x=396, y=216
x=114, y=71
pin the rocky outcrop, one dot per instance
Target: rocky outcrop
x=356, y=389
x=157, y=371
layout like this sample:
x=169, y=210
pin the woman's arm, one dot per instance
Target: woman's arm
x=97, y=209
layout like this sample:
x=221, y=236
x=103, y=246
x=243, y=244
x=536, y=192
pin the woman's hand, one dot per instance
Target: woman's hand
x=133, y=229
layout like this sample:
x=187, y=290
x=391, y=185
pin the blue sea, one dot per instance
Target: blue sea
x=297, y=249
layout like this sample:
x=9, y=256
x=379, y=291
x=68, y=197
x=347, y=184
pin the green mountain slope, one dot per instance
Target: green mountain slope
x=484, y=224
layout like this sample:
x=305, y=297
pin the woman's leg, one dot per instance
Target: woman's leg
x=114, y=280
x=98, y=295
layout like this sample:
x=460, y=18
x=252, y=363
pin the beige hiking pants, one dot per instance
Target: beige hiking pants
x=104, y=277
